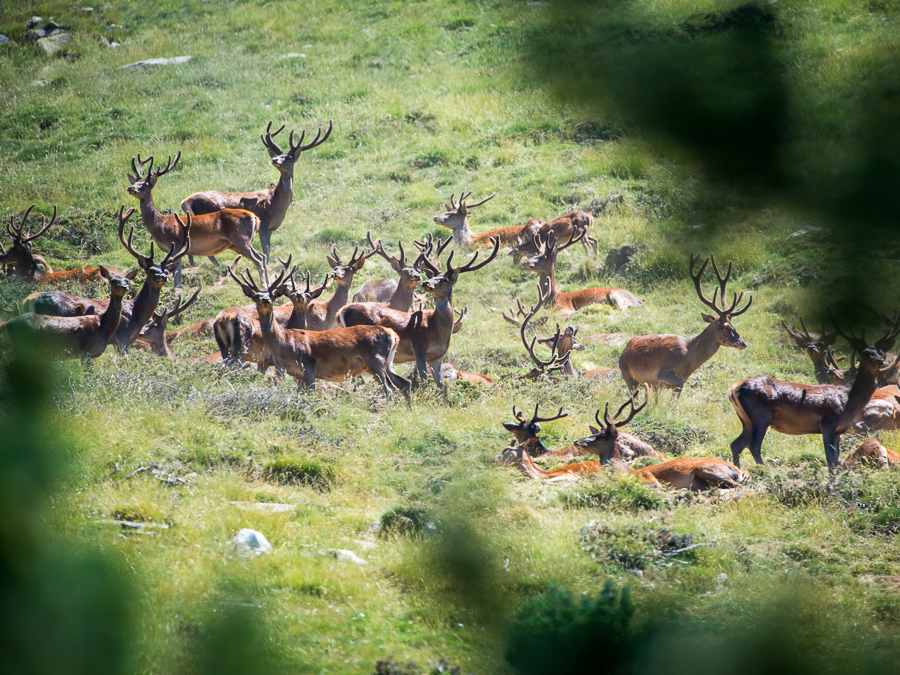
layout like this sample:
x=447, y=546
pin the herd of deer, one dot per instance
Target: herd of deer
x=386, y=323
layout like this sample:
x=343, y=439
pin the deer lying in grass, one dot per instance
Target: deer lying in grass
x=669, y=360
x=270, y=206
x=153, y=335
x=799, y=409
x=564, y=343
x=543, y=263
x=391, y=292
x=136, y=313
x=564, y=228
x=424, y=335
x=62, y=337
x=333, y=355
x=874, y=454
x=211, y=233
x=28, y=266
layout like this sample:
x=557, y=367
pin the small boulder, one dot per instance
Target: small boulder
x=149, y=63
x=54, y=43
x=249, y=542
x=35, y=21
x=343, y=555
x=3, y=39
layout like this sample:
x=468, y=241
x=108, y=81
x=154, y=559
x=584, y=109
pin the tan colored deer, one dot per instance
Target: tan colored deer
x=153, y=335
x=211, y=233
x=424, y=335
x=669, y=360
x=544, y=264
x=333, y=355
x=873, y=454
x=455, y=219
x=564, y=227
x=391, y=292
x=799, y=409
x=270, y=206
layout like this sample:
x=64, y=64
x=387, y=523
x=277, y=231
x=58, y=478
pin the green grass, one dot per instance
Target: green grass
x=425, y=106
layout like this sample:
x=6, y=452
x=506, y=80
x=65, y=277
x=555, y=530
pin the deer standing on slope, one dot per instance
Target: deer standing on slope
x=799, y=409
x=669, y=360
x=270, y=206
x=211, y=233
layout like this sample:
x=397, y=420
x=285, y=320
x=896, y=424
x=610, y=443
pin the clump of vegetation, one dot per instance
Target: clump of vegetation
x=391, y=667
x=612, y=490
x=633, y=547
x=668, y=436
x=308, y=472
x=411, y=521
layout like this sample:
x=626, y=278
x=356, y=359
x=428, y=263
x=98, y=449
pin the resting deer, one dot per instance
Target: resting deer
x=135, y=313
x=455, y=219
x=564, y=227
x=565, y=343
x=669, y=360
x=544, y=264
x=424, y=335
x=270, y=206
x=873, y=454
x=153, y=335
x=62, y=337
x=30, y=267
x=211, y=233
x=394, y=294
x=333, y=355
x=322, y=314
x=799, y=409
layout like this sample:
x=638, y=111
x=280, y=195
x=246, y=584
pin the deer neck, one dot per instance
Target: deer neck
x=442, y=319
x=463, y=235
x=702, y=348
x=143, y=306
x=272, y=332
x=548, y=285
x=155, y=222
x=282, y=195
x=529, y=468
x=864, y=385
x=109, y=322
x=336, y=302
x=297, y=319
x=402, y=298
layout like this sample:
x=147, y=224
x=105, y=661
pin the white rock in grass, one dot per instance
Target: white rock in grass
x=53, y=43
x=3, y=39
x=264, y=507
x=292, y=55
x=343, y=555
x=249, y=542
x=175, y=60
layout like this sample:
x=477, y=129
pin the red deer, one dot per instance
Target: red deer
x=799, y=409
x=669, y=360
x=153, y=335
x=211, y=233
x=333, y=355
x=394, y=294
x=454, y=218
x=270, y=206
x=322, y=315
x=544, y=264
x=565, y=343
x=874, y=454
x=564, y=227
x=424, y=335
x=816, y=346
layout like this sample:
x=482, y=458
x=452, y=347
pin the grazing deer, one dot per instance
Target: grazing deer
x=816, y=346
x=455, y=219
x=669, y=360
x=424, y=335
x=799, y=409
x=874, y=454
x=211, y=233
x=544, y=264
x=62, y=337
x=270, y=206
x=394, y=294
x=135, y=313
x=564, y=227
x=333, y=355
x=322, y=315
x=30, y=267
x=153, y=335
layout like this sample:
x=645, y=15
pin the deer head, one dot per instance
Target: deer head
x=142, y=186
x=602, y=441
x=343, y=273
x=409, y=273
x=724, y=332
x=157, y=273
x=523, y=430
x=441, y=285
x=154, y=333
x=19, y=254
x=455, y=215
x=284, y=161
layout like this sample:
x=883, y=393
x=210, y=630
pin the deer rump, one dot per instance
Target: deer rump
x=693, y=474
x=403, y=324
x=55, y=336
x=787, y=400
x=340, y=354
x=238, y=335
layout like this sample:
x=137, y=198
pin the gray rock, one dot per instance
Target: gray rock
x=55, y=42
x=343, y=555
x=292, y=56
x=264, y=507
x=175, y=60
x=40, y=83
x=108, y=43
x=35, y=21
x=249, y=542
x=803, y=231
x=3, y=39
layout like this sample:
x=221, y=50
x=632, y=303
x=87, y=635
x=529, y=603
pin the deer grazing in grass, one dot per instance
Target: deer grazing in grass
x=424, y=335
x=64, y=337
x=211, y=233
x=28, y=266
x=270, y=206
x=153, y=335
x=135, y=313
x=334, y=355
x=564, y=227
x=799, y=409
x=669, y=360
x=391, y=292
x=543, y=263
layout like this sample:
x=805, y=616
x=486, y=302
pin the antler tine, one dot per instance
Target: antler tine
x=268, y=139
x=797, y=335
x=577, y=235
x=334, y=254
x=402, y=261
x=462, y=313
x=44, y=227
x=723, y=281
x=486, y=199
x=608, y=423
x=243, y=283
x=696, y=278
x=172, y=256
x=281, y=277
x=471, y=266
x=316, y=140
x=178, y=307
x=886, y=341
x=16, y=233
x=453, y=202
x=634, y=411
x=859, y=344
x=530, y=348
x=169, y=165
x=518, y=415
x=143, y=260
x=423, y=261
x=559, y=415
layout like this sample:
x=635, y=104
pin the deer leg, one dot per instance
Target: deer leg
x=758, y=433
x=438, y=376
x=421, y=365
x=629, y=381
x=265, y=239
x=672, y=380
x=832, y=444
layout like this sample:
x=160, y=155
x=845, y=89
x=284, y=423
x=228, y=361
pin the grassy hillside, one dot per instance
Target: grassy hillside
x=430, y=99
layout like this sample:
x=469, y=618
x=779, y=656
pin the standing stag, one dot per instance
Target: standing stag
x=800, y=409
x=211, y=233
x=424, y=335
x=323, y=314
x=543, y=263
x=669, y=360
x=270, y=206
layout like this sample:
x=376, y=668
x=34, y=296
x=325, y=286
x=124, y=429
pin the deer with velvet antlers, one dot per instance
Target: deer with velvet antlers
x=669, y=360
x=270, y=206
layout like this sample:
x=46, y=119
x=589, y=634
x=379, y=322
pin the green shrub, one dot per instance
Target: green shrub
x=299, y=472
x=406, y=520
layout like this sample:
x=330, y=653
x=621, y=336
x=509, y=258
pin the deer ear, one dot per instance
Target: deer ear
x=105, y=273
x=358, y=264
x=131, y=179
x=447, y=207
x=594, y=430
x=331, y=261
x=280, y=292
x=248, y=292
x=132, y=274
x=272, y=153
x=171, y=267
x=152, y=179
x=708, y=319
